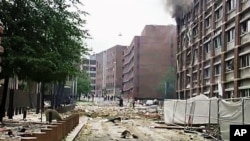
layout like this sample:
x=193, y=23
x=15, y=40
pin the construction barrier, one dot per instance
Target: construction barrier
x=204, y=110
x=55, y=131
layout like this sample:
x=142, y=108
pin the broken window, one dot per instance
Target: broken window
x=207, y=22
x=195, y=31
x=207, y=73
x=230, y=35
x=207, y=46
x=230, y=65
x=245, y=27
x=244, y=61
x=195, y=78
x=245, y=93
x=231, y=5
x=217, y=69
x=218, y=14
x=217, y=41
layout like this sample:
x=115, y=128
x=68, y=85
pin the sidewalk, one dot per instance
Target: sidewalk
x=73, y=134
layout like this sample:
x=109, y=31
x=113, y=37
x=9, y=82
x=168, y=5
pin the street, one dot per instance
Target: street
x=110, y=122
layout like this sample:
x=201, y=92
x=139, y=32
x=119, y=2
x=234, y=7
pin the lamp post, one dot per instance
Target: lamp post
x=114, y=78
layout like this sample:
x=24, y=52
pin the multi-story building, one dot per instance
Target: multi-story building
x=146, y=61
x=109, y=71
x=213, y=49
x=89, y=65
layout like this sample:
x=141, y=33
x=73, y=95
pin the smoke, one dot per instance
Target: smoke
x=177, y=7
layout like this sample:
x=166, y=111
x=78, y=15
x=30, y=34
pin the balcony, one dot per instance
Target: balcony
x=244, y=72
x=230, y=76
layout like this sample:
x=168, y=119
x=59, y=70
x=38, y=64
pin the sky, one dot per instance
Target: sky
x=116, y=22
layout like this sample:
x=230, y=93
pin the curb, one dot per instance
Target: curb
x=73, y=134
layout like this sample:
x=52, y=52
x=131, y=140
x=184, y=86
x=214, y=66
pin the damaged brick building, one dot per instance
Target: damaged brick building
x=214, y=49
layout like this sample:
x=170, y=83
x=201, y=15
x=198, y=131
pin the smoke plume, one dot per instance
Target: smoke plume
x=177, y=7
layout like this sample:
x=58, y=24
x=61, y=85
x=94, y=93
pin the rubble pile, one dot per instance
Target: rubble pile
x=122, y=112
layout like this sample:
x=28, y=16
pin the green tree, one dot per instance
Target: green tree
x=167, y=86
x=43, y=41
x=83, y=84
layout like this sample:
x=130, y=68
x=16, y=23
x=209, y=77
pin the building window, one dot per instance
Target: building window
x=230, y=35
x=245, y=27
x=231, y=5
x=217, y=41
x=207, y=73
x=92, y=69
x=207, y=47
x=208, y=22
x=230, y=65
x=195, y=31
x=218, y=14
x=244, y=61
x=217, y=69
x=195, y=78
x=245, y=93
x=92, y=75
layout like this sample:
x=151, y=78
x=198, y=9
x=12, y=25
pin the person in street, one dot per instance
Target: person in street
x=121, y=102
x=133, y=103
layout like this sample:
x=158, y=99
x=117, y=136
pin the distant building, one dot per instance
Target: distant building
x=109, y=71
x=89, y=65
x=146, y=61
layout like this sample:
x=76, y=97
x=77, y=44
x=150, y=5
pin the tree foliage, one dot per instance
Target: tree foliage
x=43, y=40
x=83, y=84
x=167, y=86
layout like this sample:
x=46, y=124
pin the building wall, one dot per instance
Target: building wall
x=89, y=65
x=147, y=60
x=219, y=44
x=99, y=73
x=109, y=71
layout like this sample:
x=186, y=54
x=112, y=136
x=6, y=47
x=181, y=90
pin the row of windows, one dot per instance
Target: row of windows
x=244, y=62
x=231, y=5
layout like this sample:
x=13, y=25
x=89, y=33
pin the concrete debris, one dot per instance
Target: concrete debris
x=54, y=115
x=127, y=134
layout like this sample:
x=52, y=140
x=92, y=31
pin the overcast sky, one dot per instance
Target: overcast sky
x=109, y=18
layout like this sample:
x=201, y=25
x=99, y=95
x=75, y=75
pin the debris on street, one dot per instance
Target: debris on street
x=144, y=123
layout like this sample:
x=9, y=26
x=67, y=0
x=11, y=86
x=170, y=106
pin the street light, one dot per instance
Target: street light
x=114, y=77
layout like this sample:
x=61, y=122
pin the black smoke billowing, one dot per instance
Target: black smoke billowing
x=178, y=7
